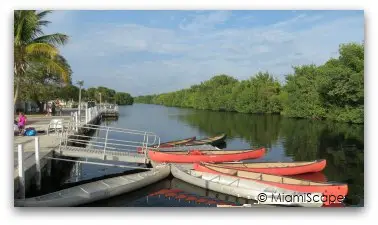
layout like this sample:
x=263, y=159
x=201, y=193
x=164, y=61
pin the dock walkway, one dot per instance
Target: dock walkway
x=48, y=143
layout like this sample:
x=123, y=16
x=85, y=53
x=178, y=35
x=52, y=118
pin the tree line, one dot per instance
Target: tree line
x=333, y=91
x=70, y=92
x=41, y=73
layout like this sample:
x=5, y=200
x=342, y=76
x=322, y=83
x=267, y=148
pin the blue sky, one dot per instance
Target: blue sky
x=147, y=52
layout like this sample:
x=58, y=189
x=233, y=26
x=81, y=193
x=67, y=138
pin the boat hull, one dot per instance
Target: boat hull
x=175, y=143
x=235, y=187
x=313, y=167
x=215, y=141
x=95, y=191
x=331, y=192
x=169, y=157
x=169, y=144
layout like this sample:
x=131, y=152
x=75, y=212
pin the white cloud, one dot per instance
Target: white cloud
x=205, y=21
x=144, y=60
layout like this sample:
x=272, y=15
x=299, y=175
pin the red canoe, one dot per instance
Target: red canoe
x=330, y=190
x=169, y=144
x=181, y=196
x=278, y=168
x=193, y=156
x=316, y=177
x=165, y=191
x=191, y=198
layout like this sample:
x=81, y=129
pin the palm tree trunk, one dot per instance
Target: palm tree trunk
x=16, y=92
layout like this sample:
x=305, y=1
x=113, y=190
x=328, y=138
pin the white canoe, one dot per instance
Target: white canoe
x=243, y=188
x=97, y=190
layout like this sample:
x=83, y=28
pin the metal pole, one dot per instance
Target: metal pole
x=80, y=102
x=76, y=122
x=37, y=163
x=89, y=114
x=21, y=172
x=86, y=113
x=106, y=141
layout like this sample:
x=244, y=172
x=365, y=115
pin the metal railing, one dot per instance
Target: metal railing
x=108, y=138
x=112, y=139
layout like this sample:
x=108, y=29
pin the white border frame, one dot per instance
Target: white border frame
x=166, y=215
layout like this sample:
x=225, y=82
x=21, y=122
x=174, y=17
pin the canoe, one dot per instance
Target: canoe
x=331, y=190
x=216, y=140
x=316, y=177
x=169, y=144
x=177, y=142
x=278, y=168
x=193, y=156
x=98, y=190
x=238, y=187
x=207, y=194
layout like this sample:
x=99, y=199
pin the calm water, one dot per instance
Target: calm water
x=285, y=140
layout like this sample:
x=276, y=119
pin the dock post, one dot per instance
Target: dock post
x=76, y=122
x=37, y=163
x=86, y=113
x=21, y=172
x=89, y=114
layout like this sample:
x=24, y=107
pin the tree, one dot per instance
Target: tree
x=91, y=94
x=123, y=98
x=69, y=92
x=303, y=99
x=333, y=91
x=342, y=84
x=40, y=85
x=33, y=49
x=107, y=94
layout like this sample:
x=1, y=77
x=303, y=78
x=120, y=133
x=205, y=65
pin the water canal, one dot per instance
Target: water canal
x=285, y=140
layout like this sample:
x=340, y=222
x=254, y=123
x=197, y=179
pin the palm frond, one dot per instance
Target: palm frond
x=25, y=26
x=42, y=14
x=54, y=67
x=44, y=23
x=53, y=39
x=46, y=49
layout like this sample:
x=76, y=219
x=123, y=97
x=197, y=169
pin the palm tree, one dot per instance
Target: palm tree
x=33, y=48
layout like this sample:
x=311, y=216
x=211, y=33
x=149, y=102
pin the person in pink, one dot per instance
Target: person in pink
x=21, y=122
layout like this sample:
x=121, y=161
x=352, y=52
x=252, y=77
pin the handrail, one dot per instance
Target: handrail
x=106, y=141
x=118, y=128
x=124, y=141
x=109, y=139
x=107, y=145
x=133, y=141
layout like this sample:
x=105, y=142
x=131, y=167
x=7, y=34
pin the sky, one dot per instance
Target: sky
x=150, y=52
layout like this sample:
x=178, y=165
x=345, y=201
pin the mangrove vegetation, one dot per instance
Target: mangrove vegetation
x=333, y=91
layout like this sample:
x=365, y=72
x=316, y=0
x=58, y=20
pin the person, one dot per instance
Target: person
x=21, y=122
x=15, y=127
x=58, y=106
x=49, y=109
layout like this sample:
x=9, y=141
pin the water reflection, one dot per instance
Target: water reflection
x=302, y=140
